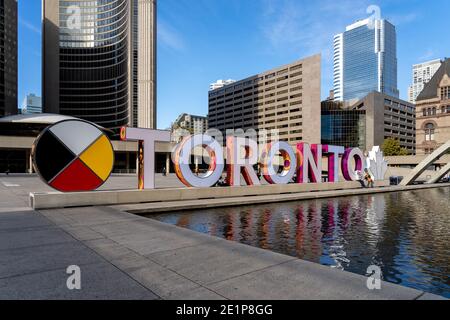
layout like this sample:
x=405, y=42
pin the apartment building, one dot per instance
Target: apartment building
x=421, y=75
x=188, y=123
x=285, y=99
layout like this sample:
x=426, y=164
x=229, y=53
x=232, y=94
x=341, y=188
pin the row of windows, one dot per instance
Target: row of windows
x=396, y=125
x=399, y=105
x=401, y=112
x=239, y=106
x=292, y=97
x=246, y=86
x=257, y=92
x=281, y=121
x=426, y=112
x=238, y=113
x=398, y=133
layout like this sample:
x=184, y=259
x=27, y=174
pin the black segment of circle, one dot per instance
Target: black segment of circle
x=51, y=156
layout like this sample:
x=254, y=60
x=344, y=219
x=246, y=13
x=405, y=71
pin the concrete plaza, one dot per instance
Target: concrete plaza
x=124, y=256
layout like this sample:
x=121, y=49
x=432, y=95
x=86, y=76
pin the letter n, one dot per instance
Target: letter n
x=310, y=170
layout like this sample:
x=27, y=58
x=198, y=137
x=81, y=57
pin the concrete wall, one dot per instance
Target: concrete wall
x=162, y=196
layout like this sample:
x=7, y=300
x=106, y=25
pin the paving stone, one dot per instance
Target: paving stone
x=299, y=280
x=109, y=249
x=162, y=281
x=83, y=233
x=22, y=220
x=218, y=260
x=200, y=293
x=44, y=258
x=32, y=238
x=99, y=281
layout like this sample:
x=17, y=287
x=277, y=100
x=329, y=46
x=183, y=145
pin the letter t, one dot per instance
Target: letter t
x=148, y=138
x=333, y=153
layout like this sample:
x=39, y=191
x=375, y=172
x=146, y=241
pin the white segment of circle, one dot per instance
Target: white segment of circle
x=76, y=135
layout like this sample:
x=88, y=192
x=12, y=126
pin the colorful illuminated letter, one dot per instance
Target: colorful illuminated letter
x=146, y=139
x=183, y=157
x=311, y=166
x=238, y=163
x=333, y=153
x=289, y=161
x=347, y=169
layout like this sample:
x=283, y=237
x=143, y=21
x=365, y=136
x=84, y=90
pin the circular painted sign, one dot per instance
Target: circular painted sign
x=73, y=156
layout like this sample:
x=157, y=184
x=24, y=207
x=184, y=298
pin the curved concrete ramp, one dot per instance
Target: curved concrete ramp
x=417, y=171
x=440, y=174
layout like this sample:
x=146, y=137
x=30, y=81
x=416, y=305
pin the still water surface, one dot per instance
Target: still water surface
x=405, y=233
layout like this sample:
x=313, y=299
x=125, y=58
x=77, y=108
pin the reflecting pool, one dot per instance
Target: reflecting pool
x=405, y=233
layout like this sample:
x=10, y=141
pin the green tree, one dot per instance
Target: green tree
x=391, y=147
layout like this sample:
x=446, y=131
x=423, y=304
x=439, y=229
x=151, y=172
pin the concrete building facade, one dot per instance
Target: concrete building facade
x=286, y=99
x=192, y=123
x=188, y=124
x=365, y=60
x=433, y=111
x=368, y=122
x=8, y=58
x=99, y=61
x=421, y=75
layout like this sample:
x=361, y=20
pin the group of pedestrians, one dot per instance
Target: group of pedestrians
x=365, y=177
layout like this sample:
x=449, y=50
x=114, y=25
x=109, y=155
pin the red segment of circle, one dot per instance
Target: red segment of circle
x=76, y=177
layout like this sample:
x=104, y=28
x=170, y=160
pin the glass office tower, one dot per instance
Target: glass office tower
x=343, y=126
x=99, y=61
x=365, y=60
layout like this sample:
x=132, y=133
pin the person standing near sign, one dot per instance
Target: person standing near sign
x=360, y=177
x=368, y=178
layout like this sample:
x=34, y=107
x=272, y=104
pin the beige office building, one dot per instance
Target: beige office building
x=99, y=61
x=368, y=122
x=433, y=111
x=286, y=99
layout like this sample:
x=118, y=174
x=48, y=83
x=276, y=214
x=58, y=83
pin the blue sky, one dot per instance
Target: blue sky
x=202, y=41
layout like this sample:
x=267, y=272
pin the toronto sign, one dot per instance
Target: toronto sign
x=76, y=156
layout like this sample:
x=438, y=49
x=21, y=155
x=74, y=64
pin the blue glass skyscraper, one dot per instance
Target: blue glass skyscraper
x=365, y=60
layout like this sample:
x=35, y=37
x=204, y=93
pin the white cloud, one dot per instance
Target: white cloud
x=169, y=38
x=427, y=55
x=398, y=20
x=30, y=26
x=308, y=27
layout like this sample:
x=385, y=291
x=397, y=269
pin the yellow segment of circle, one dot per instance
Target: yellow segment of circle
x=99, y=158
